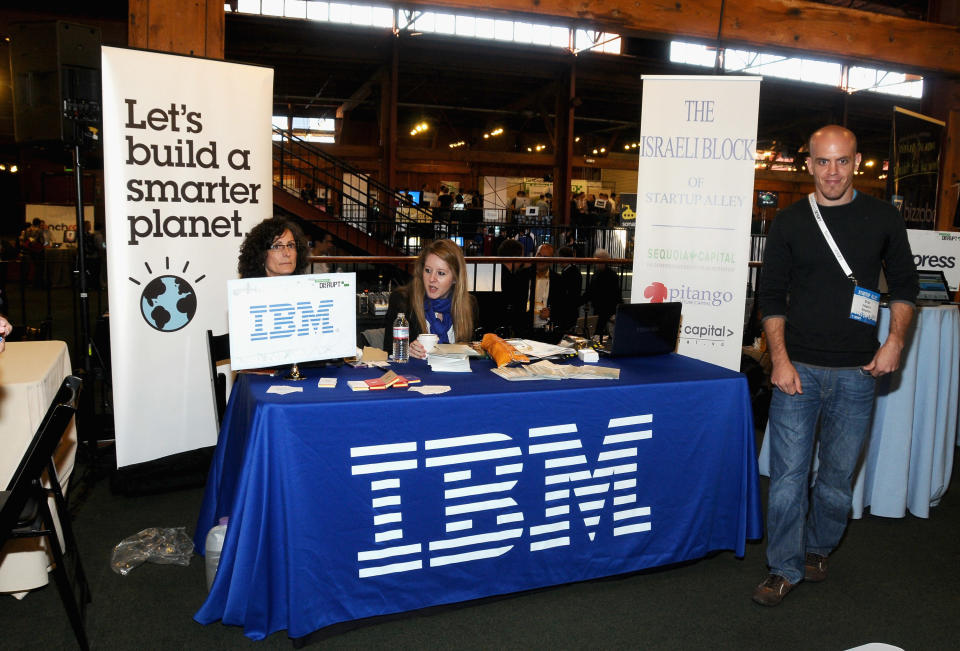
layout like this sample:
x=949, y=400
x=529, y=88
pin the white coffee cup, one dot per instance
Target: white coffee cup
x=428, y=341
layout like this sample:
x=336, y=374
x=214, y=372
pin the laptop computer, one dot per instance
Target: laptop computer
x=643, y=329
x=934, y=289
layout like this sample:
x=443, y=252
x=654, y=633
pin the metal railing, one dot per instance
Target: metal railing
x=336, y=187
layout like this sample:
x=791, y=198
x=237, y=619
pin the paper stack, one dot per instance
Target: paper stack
x=546, y=370
x=448, y=363
x=540, y=349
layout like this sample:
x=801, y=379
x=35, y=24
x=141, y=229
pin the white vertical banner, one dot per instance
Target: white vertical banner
x=187, y=172
x=698, y=137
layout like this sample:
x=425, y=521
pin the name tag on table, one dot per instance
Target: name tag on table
x=865, y=306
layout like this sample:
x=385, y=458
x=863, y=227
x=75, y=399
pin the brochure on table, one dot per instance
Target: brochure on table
x=291, y=319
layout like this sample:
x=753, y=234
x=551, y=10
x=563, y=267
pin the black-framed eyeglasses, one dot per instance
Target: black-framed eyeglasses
x=279, y=246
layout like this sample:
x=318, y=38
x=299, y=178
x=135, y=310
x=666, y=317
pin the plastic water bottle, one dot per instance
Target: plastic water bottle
x=401, y=339
x=214, y=545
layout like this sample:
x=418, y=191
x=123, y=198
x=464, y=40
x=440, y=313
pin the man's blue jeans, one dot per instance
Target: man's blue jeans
x=842, y=399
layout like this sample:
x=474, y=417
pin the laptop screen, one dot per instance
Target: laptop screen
x=645, y=329
x=933, y=286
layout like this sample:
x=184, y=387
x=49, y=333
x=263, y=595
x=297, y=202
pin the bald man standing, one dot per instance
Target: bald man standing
x=819, y=298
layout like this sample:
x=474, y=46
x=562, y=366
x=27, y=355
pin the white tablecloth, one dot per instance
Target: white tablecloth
x=909, y=457
x=30, y=374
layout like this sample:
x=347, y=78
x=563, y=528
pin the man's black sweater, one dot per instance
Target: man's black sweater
x=802, y=280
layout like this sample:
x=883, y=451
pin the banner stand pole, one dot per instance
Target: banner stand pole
x=85, y=346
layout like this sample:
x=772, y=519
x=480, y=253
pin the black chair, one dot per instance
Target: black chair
x=25, y=511
x=218, y=352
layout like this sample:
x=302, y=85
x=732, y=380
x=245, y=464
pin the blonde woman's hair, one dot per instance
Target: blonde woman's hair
x=460, y=305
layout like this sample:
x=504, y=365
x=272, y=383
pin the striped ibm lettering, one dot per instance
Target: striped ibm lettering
x=480, y=516
x=285, y=320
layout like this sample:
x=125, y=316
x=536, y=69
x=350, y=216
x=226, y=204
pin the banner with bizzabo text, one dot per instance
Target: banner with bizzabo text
x=698, y=138
x=187, y=172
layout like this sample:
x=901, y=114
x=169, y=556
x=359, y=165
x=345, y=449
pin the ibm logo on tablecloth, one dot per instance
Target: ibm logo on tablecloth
x=572, y=490
x=283, y=320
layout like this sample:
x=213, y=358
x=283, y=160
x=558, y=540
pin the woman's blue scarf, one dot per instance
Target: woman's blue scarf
x=439, y=320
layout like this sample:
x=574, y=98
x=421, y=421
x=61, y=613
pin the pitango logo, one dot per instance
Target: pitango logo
x=168, y=302
x=658, y=293
x=284, y=320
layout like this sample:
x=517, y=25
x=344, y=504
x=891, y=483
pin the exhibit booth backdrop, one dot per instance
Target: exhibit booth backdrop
x=186, y=175
x=60, y=219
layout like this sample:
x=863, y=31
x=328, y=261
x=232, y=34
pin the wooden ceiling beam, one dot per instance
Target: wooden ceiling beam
x=794, y=25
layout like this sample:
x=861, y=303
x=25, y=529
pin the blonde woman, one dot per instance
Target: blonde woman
x=435, y=300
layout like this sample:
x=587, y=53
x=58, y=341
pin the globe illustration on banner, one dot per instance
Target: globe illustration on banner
x=168, y=303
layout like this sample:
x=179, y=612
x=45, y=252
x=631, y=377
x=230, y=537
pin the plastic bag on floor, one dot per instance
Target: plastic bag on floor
x=154, y=545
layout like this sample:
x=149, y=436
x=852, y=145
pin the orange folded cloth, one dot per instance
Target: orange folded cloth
x=500, y=351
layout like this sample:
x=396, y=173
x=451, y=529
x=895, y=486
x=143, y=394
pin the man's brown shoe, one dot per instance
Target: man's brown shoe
x=814, y=568
x=772, y=590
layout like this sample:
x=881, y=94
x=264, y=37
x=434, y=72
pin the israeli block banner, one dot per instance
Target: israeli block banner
x=291, y=319
x=698, y=137
x=187, y=172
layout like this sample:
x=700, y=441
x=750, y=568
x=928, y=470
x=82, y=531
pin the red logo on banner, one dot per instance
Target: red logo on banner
x=656, y=292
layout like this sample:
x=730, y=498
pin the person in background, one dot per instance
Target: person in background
x=515, y=286
x=543, y=217
x=444, y=199
x=274, y=247
x=603, y=293
x=541, y=204
x=519, y=204
x=32, y=241
x=323, y=246
x=526, y=240
x=591, y=203
x=488, y=241
x=435, y=300
x=5, y=330
x=819, y=299
x=544, y=298
x=567, y=309
x=47, y=237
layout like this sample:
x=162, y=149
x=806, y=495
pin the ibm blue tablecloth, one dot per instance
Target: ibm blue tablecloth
x=345, y=505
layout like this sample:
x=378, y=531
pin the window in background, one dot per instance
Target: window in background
x=813, y=71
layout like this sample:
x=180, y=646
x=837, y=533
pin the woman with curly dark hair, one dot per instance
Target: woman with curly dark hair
x=274, y=247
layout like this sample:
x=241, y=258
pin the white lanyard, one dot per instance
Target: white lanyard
x=829, y=238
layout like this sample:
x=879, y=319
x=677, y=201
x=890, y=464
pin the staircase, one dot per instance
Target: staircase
x=329, y=193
